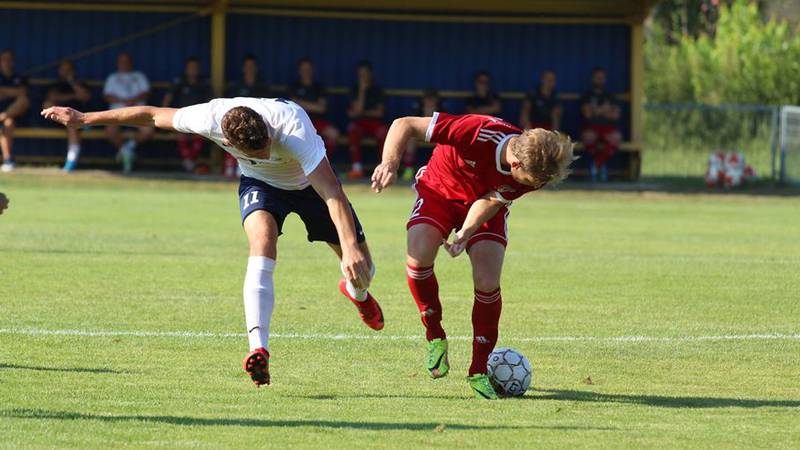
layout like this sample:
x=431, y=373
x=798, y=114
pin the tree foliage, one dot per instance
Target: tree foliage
x=741, y=59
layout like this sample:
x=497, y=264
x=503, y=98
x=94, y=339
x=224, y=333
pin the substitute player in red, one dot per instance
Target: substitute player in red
x=480, y=164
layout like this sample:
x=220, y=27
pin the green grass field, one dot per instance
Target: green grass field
x=651, y=320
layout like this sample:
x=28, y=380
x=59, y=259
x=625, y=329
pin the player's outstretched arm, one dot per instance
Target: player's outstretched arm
x=355, y=264
x=141, y=116
x=482, y=210
x=400, y=132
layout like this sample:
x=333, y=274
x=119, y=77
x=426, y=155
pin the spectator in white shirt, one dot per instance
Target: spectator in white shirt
x=126, y=87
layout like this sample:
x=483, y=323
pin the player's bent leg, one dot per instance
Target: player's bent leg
x=258, y=292
x=368, y=308
x=331, y=137
x=424, y=240
x=486, y=257
x=355, y=134
x=6, y=144
x=114, y=135
x=73, y=149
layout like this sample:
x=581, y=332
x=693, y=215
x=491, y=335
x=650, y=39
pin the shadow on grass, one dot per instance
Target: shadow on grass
x=274, y=423
x=378, y=396
x=680, y=185
x=59, y=369
x=660, y=400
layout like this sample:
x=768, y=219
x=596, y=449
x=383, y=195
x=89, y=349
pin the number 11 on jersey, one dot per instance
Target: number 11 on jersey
x=249, y=199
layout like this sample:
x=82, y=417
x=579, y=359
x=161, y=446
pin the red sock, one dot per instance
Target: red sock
x=425, y=290
x=485, y=320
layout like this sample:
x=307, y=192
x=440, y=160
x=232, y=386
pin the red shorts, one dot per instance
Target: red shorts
x=448, y=215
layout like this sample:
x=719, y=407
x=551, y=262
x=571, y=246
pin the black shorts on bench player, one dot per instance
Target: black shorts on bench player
x=285, y=171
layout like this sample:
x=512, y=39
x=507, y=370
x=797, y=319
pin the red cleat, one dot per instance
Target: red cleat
x=369, y=310
x=256, y=364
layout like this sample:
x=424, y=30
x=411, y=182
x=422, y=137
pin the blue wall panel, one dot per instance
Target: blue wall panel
x=411, y=55
x=39, y=37
x=429, y=54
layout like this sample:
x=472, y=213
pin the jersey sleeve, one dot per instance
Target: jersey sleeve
x=304, y=143
x=194, y=119
x=448, y=129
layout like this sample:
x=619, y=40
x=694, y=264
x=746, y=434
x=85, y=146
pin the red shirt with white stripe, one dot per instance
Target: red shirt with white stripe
x=465, y=164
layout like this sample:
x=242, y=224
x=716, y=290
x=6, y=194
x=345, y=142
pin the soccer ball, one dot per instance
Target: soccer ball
x=510, y=372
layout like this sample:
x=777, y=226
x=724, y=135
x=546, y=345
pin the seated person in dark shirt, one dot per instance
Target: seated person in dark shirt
x=601, y=136
x=190, y=89
x=541, y=108
x=250, y=85
x=69, y=91
x=310, y=94
x=14, y=103
x=366, y=115
x=483, y=100
x=425, y=106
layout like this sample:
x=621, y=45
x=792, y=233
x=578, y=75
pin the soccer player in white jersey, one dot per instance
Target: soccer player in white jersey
x=284, y=170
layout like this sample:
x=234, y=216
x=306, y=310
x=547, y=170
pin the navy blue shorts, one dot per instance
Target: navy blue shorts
x=255, y=195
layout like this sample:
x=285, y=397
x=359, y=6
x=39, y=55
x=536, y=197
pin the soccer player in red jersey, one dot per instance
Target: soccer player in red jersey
x=480, y=164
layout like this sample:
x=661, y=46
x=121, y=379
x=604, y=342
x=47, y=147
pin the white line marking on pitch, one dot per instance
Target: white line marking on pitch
x=381, y=337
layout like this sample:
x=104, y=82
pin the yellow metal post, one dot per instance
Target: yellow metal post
x=218, y=65
x=637, y=81
x=637, y=90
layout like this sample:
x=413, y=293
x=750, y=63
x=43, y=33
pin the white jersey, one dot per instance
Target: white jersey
x=296, y=149
x=126, y=86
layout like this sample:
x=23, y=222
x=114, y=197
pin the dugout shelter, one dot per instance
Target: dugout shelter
x=413, y=45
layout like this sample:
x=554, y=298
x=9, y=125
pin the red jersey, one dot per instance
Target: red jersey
x=465, y=164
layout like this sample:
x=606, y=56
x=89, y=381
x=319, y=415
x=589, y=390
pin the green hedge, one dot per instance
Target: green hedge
x=747, y=61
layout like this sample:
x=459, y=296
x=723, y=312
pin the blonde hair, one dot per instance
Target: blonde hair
x=544, y=154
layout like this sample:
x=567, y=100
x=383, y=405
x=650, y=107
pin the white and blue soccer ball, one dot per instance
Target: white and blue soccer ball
x=510, y=372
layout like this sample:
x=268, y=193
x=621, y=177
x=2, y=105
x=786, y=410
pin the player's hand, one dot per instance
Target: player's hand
x=64, y=115
x=385, y=175
x=459, y=242
x=356, y=268
x=3, y=202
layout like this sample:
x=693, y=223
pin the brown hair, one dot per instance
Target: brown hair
x=544, y=154
x=245, y=129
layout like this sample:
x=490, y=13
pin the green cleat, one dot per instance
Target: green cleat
x=438, y=365
x=482, y=387
x=408, y=174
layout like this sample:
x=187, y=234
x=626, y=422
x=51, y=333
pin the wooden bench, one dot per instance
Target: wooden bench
x=630, y=172
x=632, y=150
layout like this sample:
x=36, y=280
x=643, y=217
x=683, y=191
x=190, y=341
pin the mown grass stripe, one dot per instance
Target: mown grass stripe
x=382, y=337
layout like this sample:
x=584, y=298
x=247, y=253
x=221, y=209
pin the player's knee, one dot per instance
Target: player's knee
x=332, y=133
x=486, y=282
x=423, y=244
x=9, y=123
x=614, y=138
x=262, y=245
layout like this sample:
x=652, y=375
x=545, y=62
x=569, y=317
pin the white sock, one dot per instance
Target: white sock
x=259, y=298
x=73, y=151
x=360, y=294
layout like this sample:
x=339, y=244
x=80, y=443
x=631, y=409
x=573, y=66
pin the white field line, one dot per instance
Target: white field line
x=384, y=337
